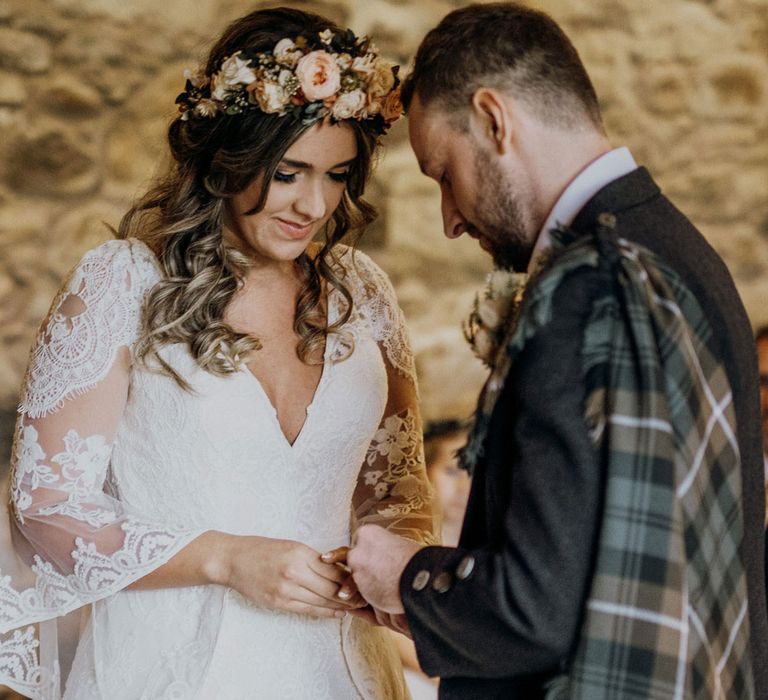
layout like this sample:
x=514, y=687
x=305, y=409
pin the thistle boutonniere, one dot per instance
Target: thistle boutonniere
x=493, y=309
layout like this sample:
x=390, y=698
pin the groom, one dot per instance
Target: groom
x=503, y=116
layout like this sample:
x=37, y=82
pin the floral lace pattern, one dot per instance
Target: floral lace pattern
x=376, y=305
x=75, y=350
x=394, y=478
x=29, y=469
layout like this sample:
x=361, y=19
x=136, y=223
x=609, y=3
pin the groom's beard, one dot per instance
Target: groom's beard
x=503, y=216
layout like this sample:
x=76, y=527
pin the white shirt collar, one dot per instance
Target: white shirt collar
x=607, y=168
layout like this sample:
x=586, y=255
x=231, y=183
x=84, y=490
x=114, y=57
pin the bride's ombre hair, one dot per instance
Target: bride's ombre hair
x=181, y=217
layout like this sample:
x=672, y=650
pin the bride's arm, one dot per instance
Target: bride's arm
x=393, y=490
x=81, y=542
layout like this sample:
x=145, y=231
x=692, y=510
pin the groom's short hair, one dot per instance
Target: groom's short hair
x=505, y=46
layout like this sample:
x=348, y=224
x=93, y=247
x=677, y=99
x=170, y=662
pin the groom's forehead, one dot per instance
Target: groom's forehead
x=427, y=127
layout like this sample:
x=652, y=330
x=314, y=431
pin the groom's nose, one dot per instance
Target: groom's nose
x=453, y=222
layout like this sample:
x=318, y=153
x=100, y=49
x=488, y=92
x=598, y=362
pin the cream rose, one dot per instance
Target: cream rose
x=270, y=97
x=236, y=71
x=348, y=104
x=382, y=78
x=233, y=72
x=318, y=75
x=286, y=53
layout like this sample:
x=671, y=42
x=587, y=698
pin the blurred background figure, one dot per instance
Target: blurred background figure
x=442, y=440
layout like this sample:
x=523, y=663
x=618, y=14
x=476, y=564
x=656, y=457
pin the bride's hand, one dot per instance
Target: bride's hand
x=348, y=589
x=286, y=575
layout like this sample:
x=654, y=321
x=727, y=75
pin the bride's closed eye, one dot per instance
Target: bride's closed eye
x=339, y=177
x=284, y=177
x=281, y=176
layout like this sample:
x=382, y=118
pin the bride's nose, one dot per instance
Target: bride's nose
x=311, y=201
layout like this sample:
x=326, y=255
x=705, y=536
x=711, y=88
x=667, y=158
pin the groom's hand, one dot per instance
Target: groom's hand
x=397, y=623
x=377, y=560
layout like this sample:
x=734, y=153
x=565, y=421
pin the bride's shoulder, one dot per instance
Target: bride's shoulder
x=120, y=264
x=361, y=269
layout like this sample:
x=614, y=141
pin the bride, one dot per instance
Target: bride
x=214, y=401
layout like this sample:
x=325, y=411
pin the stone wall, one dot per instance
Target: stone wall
x=87, y=87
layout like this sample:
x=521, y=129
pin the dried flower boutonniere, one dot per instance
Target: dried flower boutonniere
x=494, y=307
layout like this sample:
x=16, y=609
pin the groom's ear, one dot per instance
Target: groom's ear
x=492, y=118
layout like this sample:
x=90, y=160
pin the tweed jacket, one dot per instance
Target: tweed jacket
x=500, y=615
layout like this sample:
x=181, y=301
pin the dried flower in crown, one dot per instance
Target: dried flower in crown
x=330, y=75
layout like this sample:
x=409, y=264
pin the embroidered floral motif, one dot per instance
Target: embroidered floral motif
x=29, y=472
x=19, y=661
x=74, y=352
x=401, y=487
x=376, y=305
x=83, y=468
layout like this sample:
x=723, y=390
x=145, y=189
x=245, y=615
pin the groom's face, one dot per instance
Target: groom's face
x=478, y=195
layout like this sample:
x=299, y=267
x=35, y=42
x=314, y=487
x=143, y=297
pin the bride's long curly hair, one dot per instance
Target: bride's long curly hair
x=181, y=217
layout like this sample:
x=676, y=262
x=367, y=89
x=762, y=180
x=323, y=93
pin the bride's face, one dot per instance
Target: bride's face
x=307, y=188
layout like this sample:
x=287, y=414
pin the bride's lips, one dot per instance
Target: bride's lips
x=293, y=230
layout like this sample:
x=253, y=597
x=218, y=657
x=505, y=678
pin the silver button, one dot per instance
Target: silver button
x=420, y=580
x=465, y=568
x=442, y=582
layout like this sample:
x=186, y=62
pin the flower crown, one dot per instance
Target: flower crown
x=333, y=75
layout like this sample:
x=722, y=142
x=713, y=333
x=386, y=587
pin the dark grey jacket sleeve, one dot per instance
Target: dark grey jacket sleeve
x=518, y=611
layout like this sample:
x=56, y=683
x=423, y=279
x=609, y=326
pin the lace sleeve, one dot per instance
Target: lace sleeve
x=74, y=542
x=393, y=490
x=377, y=304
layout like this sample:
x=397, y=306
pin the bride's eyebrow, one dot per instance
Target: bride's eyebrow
x=301, y=165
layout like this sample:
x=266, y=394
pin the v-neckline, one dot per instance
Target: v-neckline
x=308, y=408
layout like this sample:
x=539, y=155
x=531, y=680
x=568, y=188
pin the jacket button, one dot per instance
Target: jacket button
x=420, y=580
x=465, y=568
x=442, y=582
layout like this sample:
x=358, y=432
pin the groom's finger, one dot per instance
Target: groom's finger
x=336, y=556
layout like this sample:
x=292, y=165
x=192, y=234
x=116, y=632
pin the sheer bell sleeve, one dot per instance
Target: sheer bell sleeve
x=393, y=489
x=74, y=541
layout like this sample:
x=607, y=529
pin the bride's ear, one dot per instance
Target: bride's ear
x=492, y=119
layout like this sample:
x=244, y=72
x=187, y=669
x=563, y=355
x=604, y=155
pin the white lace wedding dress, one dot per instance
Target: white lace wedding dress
x=116, y=468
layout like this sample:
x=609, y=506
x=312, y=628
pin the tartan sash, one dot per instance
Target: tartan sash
x=666, y=614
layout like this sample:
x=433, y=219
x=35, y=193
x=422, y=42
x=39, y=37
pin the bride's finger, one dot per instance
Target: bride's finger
x=308, y=596
x=336, y=556
x=330, y=572
x=348, y=592
x=325, y=588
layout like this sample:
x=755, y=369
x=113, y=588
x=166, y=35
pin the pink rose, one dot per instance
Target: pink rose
x=318, y=75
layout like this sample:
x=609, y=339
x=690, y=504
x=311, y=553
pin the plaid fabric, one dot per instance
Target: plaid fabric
x=666, y=615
